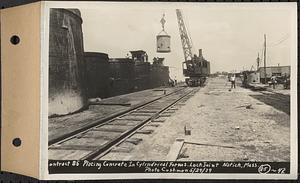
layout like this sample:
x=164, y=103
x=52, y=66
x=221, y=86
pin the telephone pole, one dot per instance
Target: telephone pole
x=257, y=61
x=265, y=55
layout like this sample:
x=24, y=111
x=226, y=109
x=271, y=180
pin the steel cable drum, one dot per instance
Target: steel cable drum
x=163, y=43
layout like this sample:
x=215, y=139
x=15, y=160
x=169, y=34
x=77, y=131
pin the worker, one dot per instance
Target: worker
x=273, y=81
x=232, y=80
x=286, y=81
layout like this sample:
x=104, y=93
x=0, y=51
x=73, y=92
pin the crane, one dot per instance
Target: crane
x=196, y=68
x=185, y=40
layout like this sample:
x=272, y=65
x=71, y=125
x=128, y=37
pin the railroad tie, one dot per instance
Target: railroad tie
x=165, y=115
x=129, y=119
x=169, y=112
x=140, y=114
x=110, y=130
x=153, y=124
x=121, y=149
x=147, y=111
x=145, y=131
x=123, y=124
x=180, y=104
x=134, y=141
x=158, y=120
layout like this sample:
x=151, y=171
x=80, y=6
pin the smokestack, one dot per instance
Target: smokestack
x=200, y=53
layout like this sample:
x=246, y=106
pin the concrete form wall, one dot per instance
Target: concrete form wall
x=97, y=67
x=67, y=92
x=75, y=76
x=121, y=78
x=141, y=76
x=128, y=76
x=159, y=76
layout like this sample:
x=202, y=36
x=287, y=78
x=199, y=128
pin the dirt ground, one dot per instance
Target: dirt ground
x=236, y=125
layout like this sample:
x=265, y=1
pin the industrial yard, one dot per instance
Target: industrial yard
x=147, y=106
x=222, y=126
x=237, y=125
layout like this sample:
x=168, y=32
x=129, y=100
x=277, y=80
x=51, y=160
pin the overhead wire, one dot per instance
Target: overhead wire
x=281, y=40
x=278, y=42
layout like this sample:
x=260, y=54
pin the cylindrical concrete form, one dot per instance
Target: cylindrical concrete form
x=121, y=80
x=159, y=75
x=97, y=74
x=67, y=92
x=163, y=43
x=142, y=76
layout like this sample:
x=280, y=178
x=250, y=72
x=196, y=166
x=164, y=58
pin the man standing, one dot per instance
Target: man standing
x=232, y=80
x=273, y=81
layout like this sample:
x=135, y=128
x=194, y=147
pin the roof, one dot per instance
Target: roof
x=137, y=51
x=274, y=67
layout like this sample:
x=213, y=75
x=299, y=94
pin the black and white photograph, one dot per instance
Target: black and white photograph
x=179, y=90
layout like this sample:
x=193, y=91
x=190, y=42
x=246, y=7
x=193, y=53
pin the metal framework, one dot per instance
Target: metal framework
x=185, y=40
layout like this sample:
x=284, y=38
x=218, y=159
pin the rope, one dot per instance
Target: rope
x=162, y=31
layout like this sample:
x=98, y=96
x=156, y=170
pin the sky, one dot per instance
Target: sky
x=230, y=34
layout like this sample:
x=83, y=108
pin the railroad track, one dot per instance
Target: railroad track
x=277, y=100
x=97, y=141
x=276, y=96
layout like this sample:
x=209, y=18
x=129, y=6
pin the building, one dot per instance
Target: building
x=274, y=71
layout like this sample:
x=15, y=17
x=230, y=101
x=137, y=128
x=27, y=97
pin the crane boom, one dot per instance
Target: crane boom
x=185, y=40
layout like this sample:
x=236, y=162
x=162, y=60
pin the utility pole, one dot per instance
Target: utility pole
x=257, y=61
x=265, y=55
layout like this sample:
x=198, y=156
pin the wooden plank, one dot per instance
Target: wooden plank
x=175, y=150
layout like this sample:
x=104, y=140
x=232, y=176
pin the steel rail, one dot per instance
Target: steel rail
x=104, y=149
x=97, y=122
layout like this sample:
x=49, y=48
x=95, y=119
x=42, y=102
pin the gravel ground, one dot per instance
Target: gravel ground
x=236, y=125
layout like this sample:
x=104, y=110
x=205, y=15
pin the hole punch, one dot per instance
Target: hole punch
x=17, y=142
x=15, y=40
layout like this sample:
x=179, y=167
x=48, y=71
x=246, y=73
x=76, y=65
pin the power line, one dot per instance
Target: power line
x=281, y=40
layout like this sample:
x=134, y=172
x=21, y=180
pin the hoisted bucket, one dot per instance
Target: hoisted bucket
x=163, y=41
